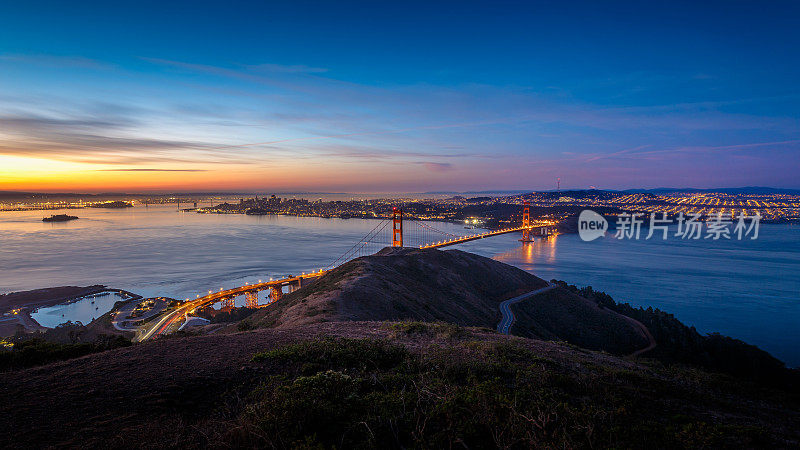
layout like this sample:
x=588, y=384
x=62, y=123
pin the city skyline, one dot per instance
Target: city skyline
x=314, y=97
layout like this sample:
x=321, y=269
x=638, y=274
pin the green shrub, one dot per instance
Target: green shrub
x=409, y=327
x=245, y=325
x=365, y=393
x=37, y=351
x=339, y=353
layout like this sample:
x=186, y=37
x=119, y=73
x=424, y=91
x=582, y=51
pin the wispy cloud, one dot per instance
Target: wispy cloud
x=87, y=139
x=280, y=68
x=375, y=133
x=270, y=115
x=683, y=151
x=152, y=170
x=40, y=124
x=616, y=154
x=56, y=60
x=437, y=166
x=421, y=107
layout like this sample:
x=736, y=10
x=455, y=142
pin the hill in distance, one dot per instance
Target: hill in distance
x=451, y=286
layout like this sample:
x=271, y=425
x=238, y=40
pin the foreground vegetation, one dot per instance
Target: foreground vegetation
x=386, y=385
x=357, y=393
x=66, y=341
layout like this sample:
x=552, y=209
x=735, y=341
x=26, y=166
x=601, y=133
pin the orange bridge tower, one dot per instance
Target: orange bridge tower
x=397, y=227
x=526, y=222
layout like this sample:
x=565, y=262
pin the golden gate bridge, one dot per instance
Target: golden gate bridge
x=398, y=231
x=420, y=234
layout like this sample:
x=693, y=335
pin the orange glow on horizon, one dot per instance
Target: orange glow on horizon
x=51, y=175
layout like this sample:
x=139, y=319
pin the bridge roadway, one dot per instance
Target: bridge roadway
x=165, y=322
x=473, y=237
x=170, y=318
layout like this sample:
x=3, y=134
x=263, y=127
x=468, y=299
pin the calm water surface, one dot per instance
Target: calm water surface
x=746, y=289
x=83, y=311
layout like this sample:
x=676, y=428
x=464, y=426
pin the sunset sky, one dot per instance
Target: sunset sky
x=398, y=96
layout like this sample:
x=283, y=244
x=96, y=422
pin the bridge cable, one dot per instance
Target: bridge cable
x=424, y=225
x=360, y=244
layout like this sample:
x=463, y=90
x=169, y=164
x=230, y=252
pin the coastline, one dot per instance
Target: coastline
x=16, y=307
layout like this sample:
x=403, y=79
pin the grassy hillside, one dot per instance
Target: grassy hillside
x=449, y=286
x=334, y=365
x=560, y=314
x=389, y=385
x=396, y=284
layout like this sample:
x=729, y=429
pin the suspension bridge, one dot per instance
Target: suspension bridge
x=397, y=231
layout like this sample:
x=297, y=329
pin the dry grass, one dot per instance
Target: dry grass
x=322, y=383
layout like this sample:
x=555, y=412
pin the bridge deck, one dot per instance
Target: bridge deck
x=163, y=324
x=187, y=307
x=473, y=237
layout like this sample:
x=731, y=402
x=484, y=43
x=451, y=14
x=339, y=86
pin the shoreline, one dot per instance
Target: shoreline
x=16, y=307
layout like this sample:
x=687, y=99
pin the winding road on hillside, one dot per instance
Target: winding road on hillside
x=505, y=308
x=508, y=318
x=651, y=340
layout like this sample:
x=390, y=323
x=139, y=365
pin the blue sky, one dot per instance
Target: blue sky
x=382, y=97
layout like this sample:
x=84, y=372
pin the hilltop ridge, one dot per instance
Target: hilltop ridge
x=450, y=286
